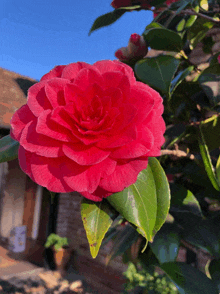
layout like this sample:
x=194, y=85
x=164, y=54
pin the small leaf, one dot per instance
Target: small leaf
x=157, y=72
x=166, y=243
x=188, y=279
x=107, y=19
x=214, y=270
x=207, y=161
x=218, y=169
x=210, y=82
x=163, y=192
x=180, y=77
x=181, y=197
x=163, y=39
x=97, y=219
x=204, y=4
x=8, y=149
x=138, y=203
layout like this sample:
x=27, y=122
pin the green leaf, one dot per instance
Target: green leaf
x=198, y=31
x=138, y=203
x=210, y=127
x=217, y=168
x=157, y=72
x=162, y=190
x=124, y=239
x=181, y=197
x=8, y=149
x=188, y=279
x=204, y=4
x=183, y=5
x=207, y=160
x=145, y=204
x=180, y=77
x=107, y=19
x=166, y=243
x=97, y=219
x=163, y=39
x=214, y=270
x=210, y=82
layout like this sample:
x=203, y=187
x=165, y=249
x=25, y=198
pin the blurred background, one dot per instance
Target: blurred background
x=38, y=35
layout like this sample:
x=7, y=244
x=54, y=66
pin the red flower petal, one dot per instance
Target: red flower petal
x=19, y=120
x=39, y=144
x=56, y=72
x=51, y=129
x=85, y=155
x=37, y=98
x=125, y=174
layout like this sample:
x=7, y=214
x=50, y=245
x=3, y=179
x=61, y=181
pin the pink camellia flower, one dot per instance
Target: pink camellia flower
x=136, y=49
x=219, y=59
x=88, y=128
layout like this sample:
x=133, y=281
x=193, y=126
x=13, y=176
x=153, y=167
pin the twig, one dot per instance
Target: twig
x=192, y=12
x=177, y=153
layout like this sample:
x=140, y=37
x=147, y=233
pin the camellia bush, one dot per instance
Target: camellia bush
x=138, y=138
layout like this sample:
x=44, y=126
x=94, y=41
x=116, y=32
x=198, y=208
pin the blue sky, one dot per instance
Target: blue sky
x=37, y=35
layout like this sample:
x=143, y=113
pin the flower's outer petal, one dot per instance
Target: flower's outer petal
x=46, y=172
x=97, y=195
x=54, y=89
x=19, y=120
x=56, y=72
x=39, y=144
x=108, y=66
x=37, y=98
x=71, y=71
x=51, y=129
x=85, y=178
x=125, y=174
x=85, y=155
x=24, y=158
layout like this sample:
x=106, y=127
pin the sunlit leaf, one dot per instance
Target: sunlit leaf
x=97, y=218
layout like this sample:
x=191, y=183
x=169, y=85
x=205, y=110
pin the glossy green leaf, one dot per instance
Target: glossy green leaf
x=163, y=39
x=107, y=19
x=200, y=232
x=162, y=190
x=210, y=127
x=138, y=203
x=183, y=5
x=217, y=169
x=180, y=77
x=97, y=219
x=214, y=270
x=181, y=197
x=8, y=149
x=210, y=82
x=207, y=161
x=124, y=239
x=157, y=72
x=166, y=243
x=188, y=279
x=198, y=31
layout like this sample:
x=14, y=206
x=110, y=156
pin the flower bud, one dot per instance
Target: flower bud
x=136, y=48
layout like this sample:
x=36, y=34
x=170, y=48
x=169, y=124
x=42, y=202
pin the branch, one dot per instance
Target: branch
x=177, y=153
x=192, y=12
